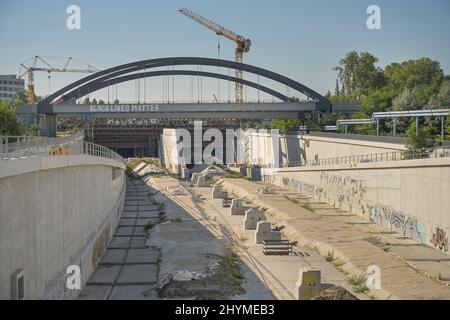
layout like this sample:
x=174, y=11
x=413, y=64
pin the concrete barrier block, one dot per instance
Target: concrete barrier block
x=237, y=208
x=195, y=177
x=202, y=182
x=252, y=217
x=264, y=232
x=218, y=192
x=309, y=284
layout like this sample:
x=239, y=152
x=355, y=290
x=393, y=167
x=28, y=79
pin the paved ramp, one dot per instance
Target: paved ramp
x=128, y=269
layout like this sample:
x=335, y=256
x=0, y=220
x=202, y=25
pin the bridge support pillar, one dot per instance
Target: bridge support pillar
x=47, y=125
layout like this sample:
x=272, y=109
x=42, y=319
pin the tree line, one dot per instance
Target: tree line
x=409, y=85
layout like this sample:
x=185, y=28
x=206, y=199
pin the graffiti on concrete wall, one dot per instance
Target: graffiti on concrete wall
x=100, y=245
x=301, y=187
x=397, y=221
x=342, y=192
x=439, y=239
x=349, y=194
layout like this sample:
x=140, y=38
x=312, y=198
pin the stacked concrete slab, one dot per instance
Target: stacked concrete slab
x=218, y=192
x=264, y=232
x=252, y=217
x=200, y=179
x=237, y=208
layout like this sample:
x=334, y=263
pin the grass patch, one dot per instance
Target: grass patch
x=243, y=239
x=130, y=167
x=150, y=225
x=307, y=206
x=359, y=283
x=330, y=256
x=338, y=263
x=233, y=175
x=152, y=161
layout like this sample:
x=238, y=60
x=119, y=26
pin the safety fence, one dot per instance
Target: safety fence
x=16, y=147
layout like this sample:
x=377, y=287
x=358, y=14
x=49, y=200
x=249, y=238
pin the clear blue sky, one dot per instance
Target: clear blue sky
x=302, y=39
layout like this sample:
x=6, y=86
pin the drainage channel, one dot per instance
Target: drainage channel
x=128, y=269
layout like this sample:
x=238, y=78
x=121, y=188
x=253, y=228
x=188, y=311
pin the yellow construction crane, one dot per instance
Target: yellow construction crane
x=242, y=44
x=33, y=67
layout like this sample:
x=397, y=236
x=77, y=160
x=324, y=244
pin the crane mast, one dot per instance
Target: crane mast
x=31, y=69
x=242, y=45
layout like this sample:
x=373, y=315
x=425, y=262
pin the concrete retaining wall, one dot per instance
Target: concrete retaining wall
x=410, y=197
x=323, y=147
x=55, y=212
x=293, y=148
x=263, y=148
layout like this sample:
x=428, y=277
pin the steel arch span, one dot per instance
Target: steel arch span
x=109, y=77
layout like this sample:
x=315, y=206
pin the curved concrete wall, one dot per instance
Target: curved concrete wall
x=55, y=212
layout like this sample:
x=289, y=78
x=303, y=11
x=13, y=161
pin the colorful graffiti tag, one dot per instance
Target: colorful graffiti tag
x=349, y=194
x=398, y=222
x=439, y=239
x=340, y=191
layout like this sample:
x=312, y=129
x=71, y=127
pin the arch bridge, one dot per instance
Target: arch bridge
x=61, y=103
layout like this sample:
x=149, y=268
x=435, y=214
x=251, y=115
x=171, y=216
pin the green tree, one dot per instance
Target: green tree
x=337, y=90
x=442, y=99
x=377, y=101
x=413, y=74
x=286, y=125
x=418, y=140
x=448, y=128
x=407, y=100
x=94, y=101
x=330, y=119
x=8, y=121
x=358, y=74
x=86, y=101
x=20, y=98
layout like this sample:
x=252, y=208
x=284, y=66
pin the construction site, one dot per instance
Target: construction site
x=192, y=177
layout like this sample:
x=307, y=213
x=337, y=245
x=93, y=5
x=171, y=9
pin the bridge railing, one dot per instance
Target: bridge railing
x=440, y=152
x=17, y=147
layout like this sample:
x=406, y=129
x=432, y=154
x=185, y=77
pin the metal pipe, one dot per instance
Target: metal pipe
x=417, y=126
x=394, y=129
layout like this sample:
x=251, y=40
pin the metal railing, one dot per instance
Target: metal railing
x=17, y=147
x=440, y=152
x=380, y=157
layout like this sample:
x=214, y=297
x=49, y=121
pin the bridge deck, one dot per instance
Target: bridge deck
x=267, y=110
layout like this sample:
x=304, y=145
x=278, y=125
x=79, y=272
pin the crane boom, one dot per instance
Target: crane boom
x=30, y=70
x=242, y=44
x=218, y=29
